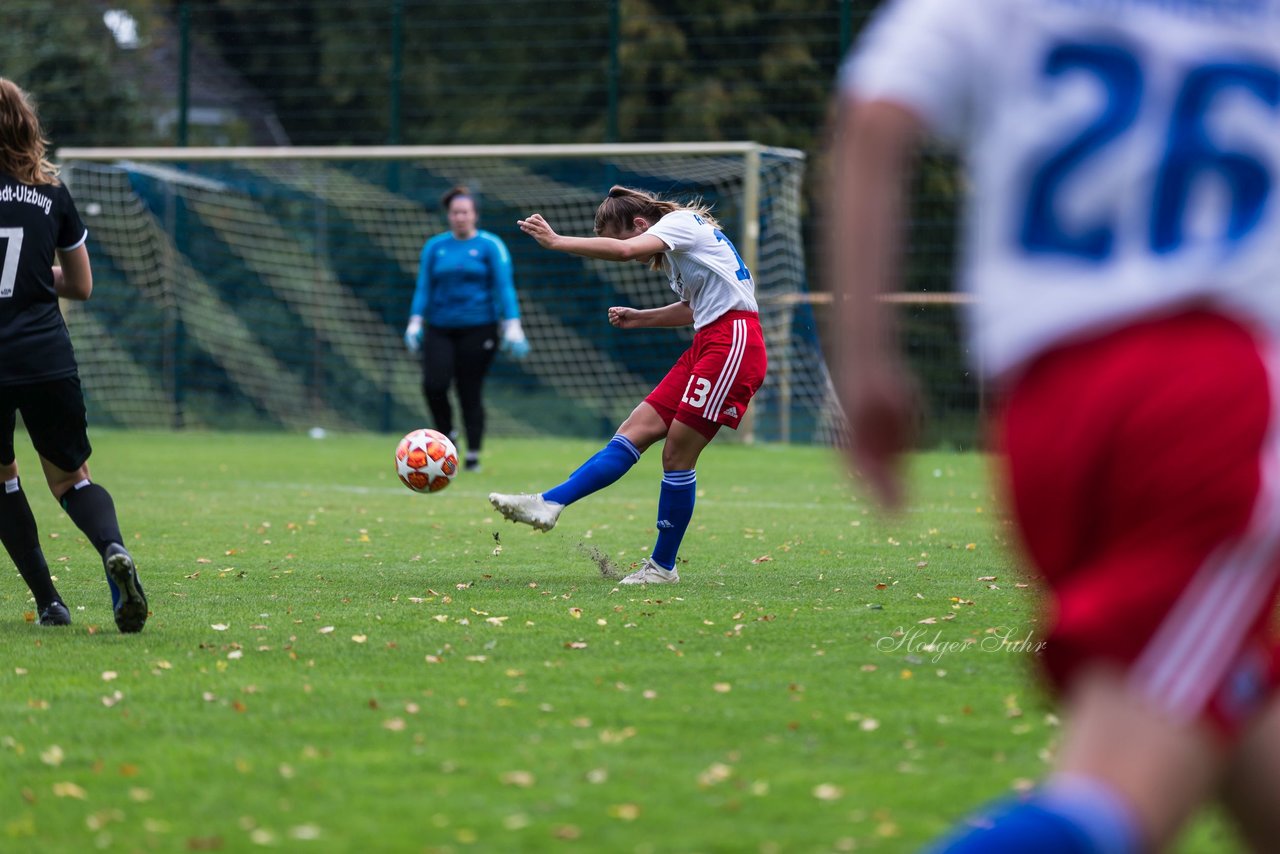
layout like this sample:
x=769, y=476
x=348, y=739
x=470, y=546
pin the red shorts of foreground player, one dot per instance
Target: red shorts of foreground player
x=714, y=380
x=1144, y=468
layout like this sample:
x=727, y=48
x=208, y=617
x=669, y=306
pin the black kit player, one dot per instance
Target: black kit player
x=38, y=372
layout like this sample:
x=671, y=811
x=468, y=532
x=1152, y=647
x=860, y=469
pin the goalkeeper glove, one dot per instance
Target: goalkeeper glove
x=514, y=344
x=413, y=334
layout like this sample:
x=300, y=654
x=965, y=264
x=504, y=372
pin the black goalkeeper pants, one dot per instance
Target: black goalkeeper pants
x=458, y=357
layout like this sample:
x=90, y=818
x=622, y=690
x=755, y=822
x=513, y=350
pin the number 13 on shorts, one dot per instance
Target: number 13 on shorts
x=695, y=391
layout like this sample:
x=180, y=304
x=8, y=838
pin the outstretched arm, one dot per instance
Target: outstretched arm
x=676, y=314
x=872, y=150
x=640, y=247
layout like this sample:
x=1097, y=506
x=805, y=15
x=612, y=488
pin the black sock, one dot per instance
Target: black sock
x=22, y=541
x=91, y=508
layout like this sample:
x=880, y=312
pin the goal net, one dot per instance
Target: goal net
x=251, y=288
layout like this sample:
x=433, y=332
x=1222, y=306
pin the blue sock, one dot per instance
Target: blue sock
x=609, y=463
x=1069, y=815
x=675, y=509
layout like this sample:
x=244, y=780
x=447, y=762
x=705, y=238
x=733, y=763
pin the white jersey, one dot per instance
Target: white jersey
x=705, y=270
x=1124, y=155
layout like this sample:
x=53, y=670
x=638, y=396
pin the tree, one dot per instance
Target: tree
x=64, y=55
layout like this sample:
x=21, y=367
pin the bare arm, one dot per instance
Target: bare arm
x=871, y=156
x=642, y=246
x=73, y=277
x=676, y=314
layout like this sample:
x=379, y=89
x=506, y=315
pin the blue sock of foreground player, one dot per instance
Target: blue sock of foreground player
x=1069, y=815
x=609, y=463
x=675, y=509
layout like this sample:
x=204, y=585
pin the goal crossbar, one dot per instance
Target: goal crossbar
x=409, y=152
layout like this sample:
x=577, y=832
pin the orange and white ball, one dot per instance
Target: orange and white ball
x=426, y=461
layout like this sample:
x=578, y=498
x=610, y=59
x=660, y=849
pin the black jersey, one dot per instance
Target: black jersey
x=34, y=221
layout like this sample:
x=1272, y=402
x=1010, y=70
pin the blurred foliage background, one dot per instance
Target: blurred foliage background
x=441, y=72
x=370, y=72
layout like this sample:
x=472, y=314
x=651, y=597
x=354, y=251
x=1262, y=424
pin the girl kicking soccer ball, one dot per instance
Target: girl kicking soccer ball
x=709, y=386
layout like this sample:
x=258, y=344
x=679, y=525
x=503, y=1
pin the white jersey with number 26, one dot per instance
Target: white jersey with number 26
x=1124, y=155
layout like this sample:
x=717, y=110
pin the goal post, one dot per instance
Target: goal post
x=256, y=287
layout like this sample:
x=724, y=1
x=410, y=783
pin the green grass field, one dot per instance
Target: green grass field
x=334, y=663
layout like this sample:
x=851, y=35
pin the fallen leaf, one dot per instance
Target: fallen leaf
x=69, y=790
x=522, y=779
x=715, y=774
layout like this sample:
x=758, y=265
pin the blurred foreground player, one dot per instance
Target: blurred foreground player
x=1123, y=248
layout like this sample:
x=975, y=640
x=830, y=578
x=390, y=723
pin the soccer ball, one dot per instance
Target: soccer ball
x=426, y=461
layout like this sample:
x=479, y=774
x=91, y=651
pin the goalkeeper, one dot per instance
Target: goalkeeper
x=464, y=310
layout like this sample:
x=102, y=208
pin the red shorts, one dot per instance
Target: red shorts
x=714, y=380
x=1144, y=469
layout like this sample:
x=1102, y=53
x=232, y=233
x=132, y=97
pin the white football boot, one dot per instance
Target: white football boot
x=529, y=508
x=650, y=573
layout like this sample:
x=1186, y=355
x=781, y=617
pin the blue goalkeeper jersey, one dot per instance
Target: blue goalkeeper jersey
x=465, y=282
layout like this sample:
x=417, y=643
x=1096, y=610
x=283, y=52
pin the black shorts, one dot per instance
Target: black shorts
x=53, y=412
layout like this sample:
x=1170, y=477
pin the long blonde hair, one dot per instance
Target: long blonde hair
x=23, y=147
x=618, y=212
